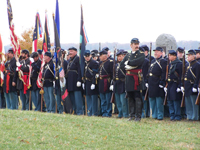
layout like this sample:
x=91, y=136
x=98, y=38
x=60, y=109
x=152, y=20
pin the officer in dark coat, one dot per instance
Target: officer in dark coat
x=10, y=80
x=73, y=77
x=119, y=87
x=23, y=84
x=156, y=83
x=105, y=77
x=90, y=84
x=146, y=52
x=48, y=77
x=132, y=63
x=35, y=95
x=174, y=86
x=192, y=76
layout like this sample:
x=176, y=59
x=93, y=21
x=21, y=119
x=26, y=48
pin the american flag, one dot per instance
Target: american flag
x=37, y=32
x=2, y=59
x=46, y=47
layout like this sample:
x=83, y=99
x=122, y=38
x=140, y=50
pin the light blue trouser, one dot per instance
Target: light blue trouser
x=122, y=105
x=174, y=109
x=106, y=105
x=77, y=102
x=58, y=100
x=192, y=110
x=157, y=107
x=8, y=103
x=36, y=99
x=92, y=105
x=144, y=109
x=25, y=100
x=49, y=99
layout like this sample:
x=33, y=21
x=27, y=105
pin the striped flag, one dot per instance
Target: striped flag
x=2, y=59
x=37, y=32
x=46, y=47
x=83, y=41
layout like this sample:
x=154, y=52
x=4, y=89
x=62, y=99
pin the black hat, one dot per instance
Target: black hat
x=47, y=54
x=25, y=51
x=103, y=52
x=180, y=49
x=120, y=52
x=158, y=49
x=11, y=51
x=197, y=50
x=192, y=52
x=87, y=53
x=141, y=49
x=146, y=48
x=135, y=40
x=34, y=54
x=72, y=48
x=125, y=52
x=39, y=51
x=106, y=49
x=94, y=51
x=172, y=52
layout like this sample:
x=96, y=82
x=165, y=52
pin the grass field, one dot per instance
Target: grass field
x=35, y=130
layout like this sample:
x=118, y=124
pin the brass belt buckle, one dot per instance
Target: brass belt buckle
x=185, y=79
x=117, y=78
x=128, y=72
x=150, y=74
x=169, y=80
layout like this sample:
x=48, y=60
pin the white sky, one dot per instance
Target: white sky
x=108, y=20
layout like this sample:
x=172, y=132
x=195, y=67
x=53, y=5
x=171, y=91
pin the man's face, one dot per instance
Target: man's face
x=40, y=56
x=190, y=57
x=134, y=46
x=179, y=55
x=10, y=55
x=197, y=55
x=87, y=58
x=72, y=53
x=109, y=52
x=120, y=58
x=103, y=57
x=157, y=54
x=36, y=58
x=172, y=57
x=46, y=59
x=23, y=55
x=146, y=53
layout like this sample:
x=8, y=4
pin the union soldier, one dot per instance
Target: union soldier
x=95, y=55
x=109, y=53
x=132, y=63
x=146, y=52
x=48, y=77
x=22, y=84
x=156, y=82
x=105, y=76
x=10, y=80
x=174, y=86
x=73, y=76
x=192, y=76
x=35, y=96
x=90, y=84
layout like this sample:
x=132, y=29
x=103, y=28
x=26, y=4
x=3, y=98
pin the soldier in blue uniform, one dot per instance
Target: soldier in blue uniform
x=24, y=65
x=192, y=76
x=174, y=86
x=146, y=52
x=48, y=77
x=90, y=84
x=10, y=80
x=156, y=83
x=109, y=53
x=95, y=54
x=35, y=96
x=119, y=87
x=73, y=76
x=132, y=63
x=105, y=77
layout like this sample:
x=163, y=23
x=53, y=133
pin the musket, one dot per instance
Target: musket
x=113, y=93
x=183, y=73
x=99, y=46
x=147, y=91
x=198, y=99
x=167, y=70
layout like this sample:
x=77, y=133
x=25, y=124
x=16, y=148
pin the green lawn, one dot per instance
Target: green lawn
x=35, y=130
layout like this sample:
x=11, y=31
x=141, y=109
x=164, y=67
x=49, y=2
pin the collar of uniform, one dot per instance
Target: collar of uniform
x=193, y=62
x=71, y=58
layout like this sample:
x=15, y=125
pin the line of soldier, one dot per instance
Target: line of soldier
x=133, y=77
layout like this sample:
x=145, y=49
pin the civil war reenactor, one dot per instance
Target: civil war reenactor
x=23, y=83
x=146, y=52
x=35, y=91
x=90, y=84
x=105, y=77
x=174, y=95
x=132, y=63
x=156, y=83
x=109, y=53
x=48, y=78
x=192, y=76
x=119, y=87
x=95, y=55
x=73, y=77
x=10, y=80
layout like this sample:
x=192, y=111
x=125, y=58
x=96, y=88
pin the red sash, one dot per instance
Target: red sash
x=134, y=74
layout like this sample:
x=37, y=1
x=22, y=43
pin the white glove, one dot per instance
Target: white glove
x=182, y=89
x=32, y=60
x=127, y=67
x=54, y=84
x=199, y=89
x=18, y=64
x=178, y=90
x=83, y=86
x=160, y=86
x=78, y=84
x=165, y=89
x=147, y=85
x=17, y=69
x=92, y=87
x=111, y=87
x=194, y=90
x=97, y=76
x=126, y=62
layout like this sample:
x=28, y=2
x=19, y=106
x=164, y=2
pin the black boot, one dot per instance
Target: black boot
x=138, y=109
x=131, y=105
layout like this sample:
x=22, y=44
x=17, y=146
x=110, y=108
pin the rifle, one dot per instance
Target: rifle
x=183, y=73
x=113, y=93
x=167, y=70
x=99, y=46
x=147, y=91
x=198, y=99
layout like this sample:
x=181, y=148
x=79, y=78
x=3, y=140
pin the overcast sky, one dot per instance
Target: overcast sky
x=108, y=20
